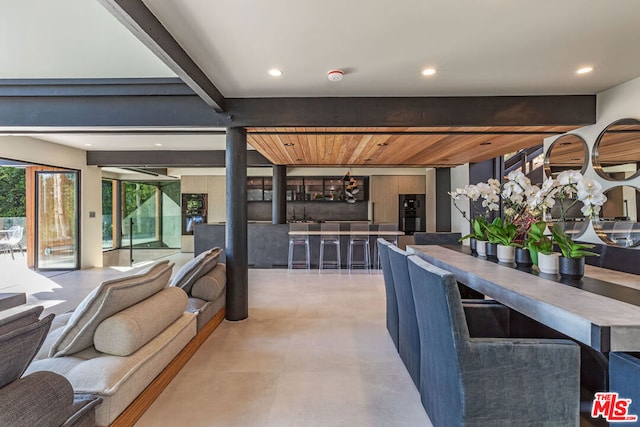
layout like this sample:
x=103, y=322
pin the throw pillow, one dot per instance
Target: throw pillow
x=196, y=268
x=18, y=347
x=20, y=319
x=211, y=285
x=107, y=299
x=125, y=332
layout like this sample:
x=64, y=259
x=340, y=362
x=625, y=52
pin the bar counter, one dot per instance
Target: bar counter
x=601, y=322
x=268, y=244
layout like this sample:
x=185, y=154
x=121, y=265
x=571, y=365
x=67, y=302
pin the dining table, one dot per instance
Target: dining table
x=601, y=310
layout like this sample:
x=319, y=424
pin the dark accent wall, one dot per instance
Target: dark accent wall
x=443, y=200
x=312, y=211
x=482, y=172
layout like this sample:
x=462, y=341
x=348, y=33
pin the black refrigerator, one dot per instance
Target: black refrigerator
x=412, y=213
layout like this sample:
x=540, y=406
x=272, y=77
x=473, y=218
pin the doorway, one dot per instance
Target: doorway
x=56, y=220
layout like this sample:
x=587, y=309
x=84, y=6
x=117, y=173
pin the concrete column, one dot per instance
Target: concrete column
x=236, y=228
x=279, y=202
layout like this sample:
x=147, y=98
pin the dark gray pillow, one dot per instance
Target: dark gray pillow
x=18, y=320
x=196, y=268
x=18, y=348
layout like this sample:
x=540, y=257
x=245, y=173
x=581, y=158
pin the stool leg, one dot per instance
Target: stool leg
x=308, y=253
x=338, y=251
x=321, y=263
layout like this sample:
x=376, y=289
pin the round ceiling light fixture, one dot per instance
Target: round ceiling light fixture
x=428, y=71
x=335, y=75
x=274, y=72
x=584, y=70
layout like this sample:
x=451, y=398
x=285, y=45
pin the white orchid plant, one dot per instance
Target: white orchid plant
x=524, y=203
x=485, y=197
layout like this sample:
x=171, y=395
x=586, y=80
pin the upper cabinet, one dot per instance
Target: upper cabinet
x=309, y=188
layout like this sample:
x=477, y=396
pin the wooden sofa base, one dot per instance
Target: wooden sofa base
x=144, y=400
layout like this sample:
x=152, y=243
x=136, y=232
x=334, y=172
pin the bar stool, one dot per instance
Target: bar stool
x=392, y=239
x=299, y=240
x=330, y=239
x=359, y=240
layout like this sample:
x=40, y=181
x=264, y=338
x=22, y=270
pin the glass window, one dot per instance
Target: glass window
x=268, y=188
x=254, y=189
x=314, y=189
x=295, y=189
x=107, y=215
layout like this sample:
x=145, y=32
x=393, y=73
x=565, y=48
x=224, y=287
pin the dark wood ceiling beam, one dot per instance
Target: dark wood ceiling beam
x=142, y=23
x=578, y=110
x=166, y=158
x=148, y=103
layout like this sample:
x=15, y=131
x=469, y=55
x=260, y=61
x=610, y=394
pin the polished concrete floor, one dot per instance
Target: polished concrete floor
x=313, y=352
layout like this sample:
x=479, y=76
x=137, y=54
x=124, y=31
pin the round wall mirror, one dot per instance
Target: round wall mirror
x=616, y=153
x=618, y=223
x=567, y=152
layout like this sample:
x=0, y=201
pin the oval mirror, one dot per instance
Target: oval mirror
x=567, y=152
x=618, y=223
x=616, y=153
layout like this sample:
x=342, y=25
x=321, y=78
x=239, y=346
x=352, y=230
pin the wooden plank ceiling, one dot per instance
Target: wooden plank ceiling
x=393, y=147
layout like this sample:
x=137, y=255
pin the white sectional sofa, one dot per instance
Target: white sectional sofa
x=134, y=331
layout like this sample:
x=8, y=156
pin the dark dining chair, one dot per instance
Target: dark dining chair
x=469, y=381
x=485, y=317
x=390, y=291
x=624, y=377
x=408, y=338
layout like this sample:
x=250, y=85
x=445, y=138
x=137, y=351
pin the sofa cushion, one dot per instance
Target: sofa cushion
x=107, y=299
x=196, y=268
x=211, y=285
x=18, y=347
x=20, y=319
x=125, y=332
x=42, y=399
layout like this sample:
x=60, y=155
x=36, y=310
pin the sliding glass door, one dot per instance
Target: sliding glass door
x=57, y=216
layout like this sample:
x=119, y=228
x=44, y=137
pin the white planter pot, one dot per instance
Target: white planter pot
x=481, y=248
x=506, y=254
x=548, y=264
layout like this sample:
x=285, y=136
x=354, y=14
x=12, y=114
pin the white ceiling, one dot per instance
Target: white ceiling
x=70, y=39
x=119, y=142
x=480, y=47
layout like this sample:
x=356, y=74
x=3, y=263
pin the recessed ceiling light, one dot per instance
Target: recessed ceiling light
x=382, y=144
x=298, y=160
x=158, y=145
x=87, y=145
x=367, y=160
x=584, y=70
x=428, y=71
x=485, y=143
x=289, y=144
x=274, y=72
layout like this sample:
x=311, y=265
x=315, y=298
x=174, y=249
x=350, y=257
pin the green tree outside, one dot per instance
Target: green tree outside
x=12, y=192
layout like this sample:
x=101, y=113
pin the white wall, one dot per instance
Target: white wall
x=31, y=150
x=619, y=102
x=460, y=178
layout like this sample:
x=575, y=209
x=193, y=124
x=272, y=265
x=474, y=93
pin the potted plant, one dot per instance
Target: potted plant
x=478, y=235
x=541, y=248
x=502, y=233
x=483, y=197
x=571, y=263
